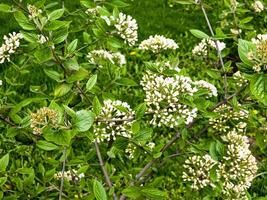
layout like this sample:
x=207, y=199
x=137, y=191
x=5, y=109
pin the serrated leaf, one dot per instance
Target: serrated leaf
x=91, y=82
x=56, y=14
x=4, y=162
x=99, y=191
x=199, y=34
x=47, y=146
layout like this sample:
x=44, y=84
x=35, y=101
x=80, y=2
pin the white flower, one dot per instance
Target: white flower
x=127, y=28
x=256, y=68
x=205, y=44
x=98, y=56
x=240, y=79
x=11, y=43
x=258, y=6
x=1, y=82
x=33, y=11
x=70, y=175
x=259, y=38
x=209, y=86
x=158, y=43
x=42, y=39
x=236, y=31
x=115, y=119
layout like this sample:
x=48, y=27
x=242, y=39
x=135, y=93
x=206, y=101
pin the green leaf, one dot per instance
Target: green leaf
x=126, y=82
x=96, y=106
x=188, y=2
x=3, y=181
x=258, y=87
x=91, y=82
x=23, y=21
x=30, y=37
x=143, y=135
x=55, y=14
x=47, y=146
x=53, y=75
x=132, y=192
x=213, y=151
x=99, y=191
x=72, y=64
x=84, y=120
x=5, y=8
x=4, y=162
x=72, y=46
x=199, y=34
x=245, y=47
x=62, y=90
x=154, y=193
x=140, y=110
x=56, y=24
x=79, y=75
x=60, y=36
x=43, y=55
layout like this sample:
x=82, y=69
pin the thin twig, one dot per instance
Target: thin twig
x=107, y=178
x=218, y=50
x=62, y=172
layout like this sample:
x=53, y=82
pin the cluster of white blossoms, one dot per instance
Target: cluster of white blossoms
x=43, y=117
x=258, y=6
x=70, y=175
x=260, y=56
x=33, y=11
x=158, y=43
x=240, y=79
x=238, y=167
x=208, y=86
x=131, y=148
x=197, y=171
x=10, y=45
x=93, y=11
x=235, y=171
x=127, y=28
x=100, y=56
x=203, y=47
x=259, y=38
x=42, y=39
x=227, y=116
x=115, y=119
x=163, y=96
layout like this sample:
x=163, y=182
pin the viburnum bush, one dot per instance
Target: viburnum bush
x=88, y=111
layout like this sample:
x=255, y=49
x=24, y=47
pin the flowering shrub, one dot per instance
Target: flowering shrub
x=88, y=111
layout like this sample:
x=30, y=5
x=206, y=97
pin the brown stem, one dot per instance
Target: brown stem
x=107, y=178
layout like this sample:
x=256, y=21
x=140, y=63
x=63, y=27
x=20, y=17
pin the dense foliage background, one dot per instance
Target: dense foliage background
x=88, y=111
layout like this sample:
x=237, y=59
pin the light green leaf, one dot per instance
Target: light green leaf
x=91, y=82
x=154, y=193
x=5, y=8
x=244, y=48
x=23, y=21
x=258, y=87
x=72, y=46
x=99, y=191
x=84, y=120
x=55, y=14
x=4, y=162
x=47, y=146
x=62, y=90
x=96, y=106
x=53, y=75
x=132, y=192
x=199, y=34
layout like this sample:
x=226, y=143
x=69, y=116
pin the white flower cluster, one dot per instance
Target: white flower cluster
x=197, y=171
x=33, y=11
x=203, y=47
x=238, y=167
x=130, y=150
x=259, y=38
x=235, y=170
x=70, y=175
x=42, y=39
x=158, y=43
x=127, y=28
x=163, y=95
x=100, y=56
x=115, y=119
x=11, y=43
x=93, y=11
x=239, y=78
x=208, y=86
x=258, y=6
x=227, y=116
